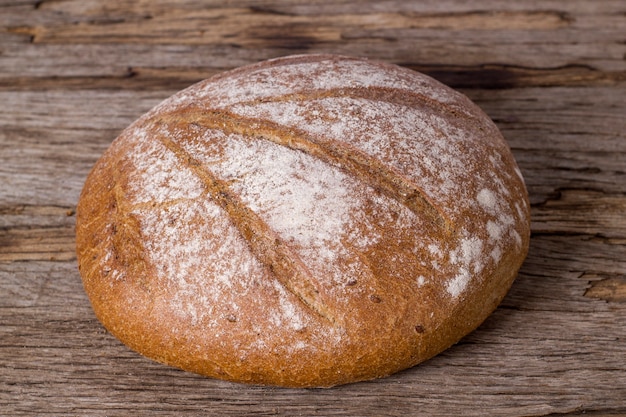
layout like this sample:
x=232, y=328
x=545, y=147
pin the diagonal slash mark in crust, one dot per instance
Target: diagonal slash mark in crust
x=367, y=169
x=389, y=95
x=264, y=242
x=351, y=160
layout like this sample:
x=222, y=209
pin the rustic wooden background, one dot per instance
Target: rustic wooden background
x=552, y=74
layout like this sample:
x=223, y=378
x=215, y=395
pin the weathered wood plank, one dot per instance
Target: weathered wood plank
x=176, y=77
x=120, y=10
x=250, y=31
x=583, y=212
x=461, y=48
x=37, y=244
x=98, y=13
x=262, y=27
x=552, y=75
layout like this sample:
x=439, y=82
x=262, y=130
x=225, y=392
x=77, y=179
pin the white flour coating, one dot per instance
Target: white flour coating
x=468, y=257
x=487, y=199
x=276, y=81
x=287, y=312
x=435, y=250
x=421, y=280
x=270, y=82
x=311, y=205
x=159, y=175
x=179, y=248
x=193, y=247
x=113, y=273
x=501, y=219
x=300, y=196
x=494, y=230
x=457, y=284
x=409, y=138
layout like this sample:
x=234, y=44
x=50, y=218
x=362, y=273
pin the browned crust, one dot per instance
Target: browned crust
x=367, y=169
x=385, y=325
x=264, y=243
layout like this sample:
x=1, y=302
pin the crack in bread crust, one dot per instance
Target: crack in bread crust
x=263, y=242
x=387, y=95
x=364, y=167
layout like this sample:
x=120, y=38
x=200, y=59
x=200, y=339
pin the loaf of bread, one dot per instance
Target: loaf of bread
x=306, y=221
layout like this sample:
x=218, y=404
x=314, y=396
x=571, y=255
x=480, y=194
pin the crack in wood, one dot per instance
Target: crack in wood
x=610, y=289
x=492, y=76
x=36, y=210
x=503, y=76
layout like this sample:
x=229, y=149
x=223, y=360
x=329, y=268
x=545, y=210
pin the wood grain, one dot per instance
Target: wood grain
x=551, y=74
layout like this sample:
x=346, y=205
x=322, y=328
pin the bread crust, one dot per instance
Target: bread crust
x=306, y=221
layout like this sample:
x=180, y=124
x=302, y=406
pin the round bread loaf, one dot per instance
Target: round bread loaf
x=306, y=221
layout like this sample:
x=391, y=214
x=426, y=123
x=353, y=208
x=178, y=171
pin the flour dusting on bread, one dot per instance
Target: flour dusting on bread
x=391, y=201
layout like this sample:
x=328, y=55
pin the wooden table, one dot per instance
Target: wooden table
x=552, y=74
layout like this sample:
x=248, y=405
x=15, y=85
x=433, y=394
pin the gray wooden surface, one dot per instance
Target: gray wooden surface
x=552, y=74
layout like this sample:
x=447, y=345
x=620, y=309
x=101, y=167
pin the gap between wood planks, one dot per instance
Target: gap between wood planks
x=489, y=76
